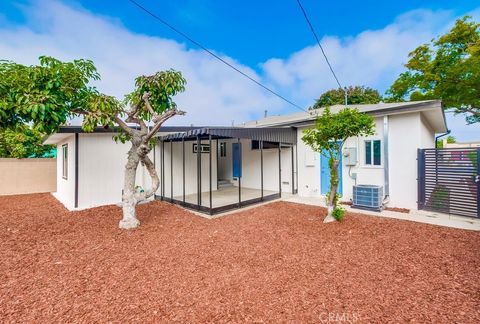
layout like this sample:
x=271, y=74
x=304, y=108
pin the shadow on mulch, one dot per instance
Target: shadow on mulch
x=277, y=262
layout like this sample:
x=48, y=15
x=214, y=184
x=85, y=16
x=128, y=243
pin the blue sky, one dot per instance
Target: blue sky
x=367, y=43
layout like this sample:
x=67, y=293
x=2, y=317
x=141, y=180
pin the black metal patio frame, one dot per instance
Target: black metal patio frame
x=282, y=136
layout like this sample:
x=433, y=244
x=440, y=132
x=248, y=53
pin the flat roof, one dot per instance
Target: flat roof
x=432, y=109
x=65, y=131
x=287, y=135
x=78, y=129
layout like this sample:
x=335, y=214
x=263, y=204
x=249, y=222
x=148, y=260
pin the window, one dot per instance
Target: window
x=373, y=151
x=65, y=161
x=266, y=145
x=204, y=148
x=223, y=149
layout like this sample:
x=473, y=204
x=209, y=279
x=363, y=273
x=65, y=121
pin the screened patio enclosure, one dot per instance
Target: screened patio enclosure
x=213, y=170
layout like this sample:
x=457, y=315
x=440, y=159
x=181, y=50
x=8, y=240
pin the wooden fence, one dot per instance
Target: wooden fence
x=23, y=176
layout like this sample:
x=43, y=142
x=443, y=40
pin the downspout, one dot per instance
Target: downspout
x=386, y=179
x=441, y=135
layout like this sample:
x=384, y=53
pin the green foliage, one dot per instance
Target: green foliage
x=450, y=140
x=447, y=68
x=440, y=197
x=331, y=130
x=338, y=212
x=23, y=141
x=48, y=94
x=356, y=95
x=472, y=156
x=121, y=137
x=329, y=134
x=45, y=94
x=161, y=86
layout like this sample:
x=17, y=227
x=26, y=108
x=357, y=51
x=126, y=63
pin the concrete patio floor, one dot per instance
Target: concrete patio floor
x=225, y=196
x=420, y=216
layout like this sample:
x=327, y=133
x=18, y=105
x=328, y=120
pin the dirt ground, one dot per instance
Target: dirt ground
x=275, y=263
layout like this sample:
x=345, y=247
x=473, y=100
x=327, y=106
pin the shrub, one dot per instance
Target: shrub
x=338, y=213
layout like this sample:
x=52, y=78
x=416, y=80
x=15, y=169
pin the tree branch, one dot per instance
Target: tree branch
x=161, y=119
x=145, y=97
x=132, y=113
x=123, y=125
x=155, y=180
x=471, y=110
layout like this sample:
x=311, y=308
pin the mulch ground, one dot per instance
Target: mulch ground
x=275, y=263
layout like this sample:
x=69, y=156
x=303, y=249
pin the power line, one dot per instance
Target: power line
x=213, y=54
x=321, y=47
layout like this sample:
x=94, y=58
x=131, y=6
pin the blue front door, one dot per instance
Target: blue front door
x=325, y=174
x=237, y=160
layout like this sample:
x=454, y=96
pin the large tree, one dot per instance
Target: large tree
x=23, y=141
x=48, y=94
x=356, y=95
x=447, y=68
x=328, y=136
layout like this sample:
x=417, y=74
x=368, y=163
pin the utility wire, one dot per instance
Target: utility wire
x=213, y=54
x=321, y=47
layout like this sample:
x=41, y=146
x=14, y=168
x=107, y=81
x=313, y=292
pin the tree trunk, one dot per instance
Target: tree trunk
x=129, y=199
x=332, y=197
x=139, y=153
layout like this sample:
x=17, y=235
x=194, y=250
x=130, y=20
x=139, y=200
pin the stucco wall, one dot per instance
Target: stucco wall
x=23, y=176
x=407, y=133
x=101, y=164
x=405, y=138
x=66, y=187
x=251, y=167
x=427, y=138
x=101, y=170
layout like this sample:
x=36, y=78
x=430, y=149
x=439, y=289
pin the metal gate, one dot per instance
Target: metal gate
x=449, y=180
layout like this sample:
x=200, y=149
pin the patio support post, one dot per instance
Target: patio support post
x=183, y=164
x=199, y=172
x=261, y=168
x=217, y=160
x=293, y=174
x=239, y=178
x=210, y=167
x=171, y=171
x=163, y=170
x=76, y=168
x=280, y=169
x=296, y=166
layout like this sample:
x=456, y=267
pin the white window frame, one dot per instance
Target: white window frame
x=204, y=148
x=372, y=164
x=65, y=161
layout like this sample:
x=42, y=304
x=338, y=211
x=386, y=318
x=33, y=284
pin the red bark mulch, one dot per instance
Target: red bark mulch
x=273, y=263
x=398, y=210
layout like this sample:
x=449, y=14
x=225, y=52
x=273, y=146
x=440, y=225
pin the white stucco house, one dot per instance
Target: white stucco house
x=213, y=169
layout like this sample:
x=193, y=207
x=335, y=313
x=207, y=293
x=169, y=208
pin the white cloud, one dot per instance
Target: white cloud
x=215, y=94
x=373, y=57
